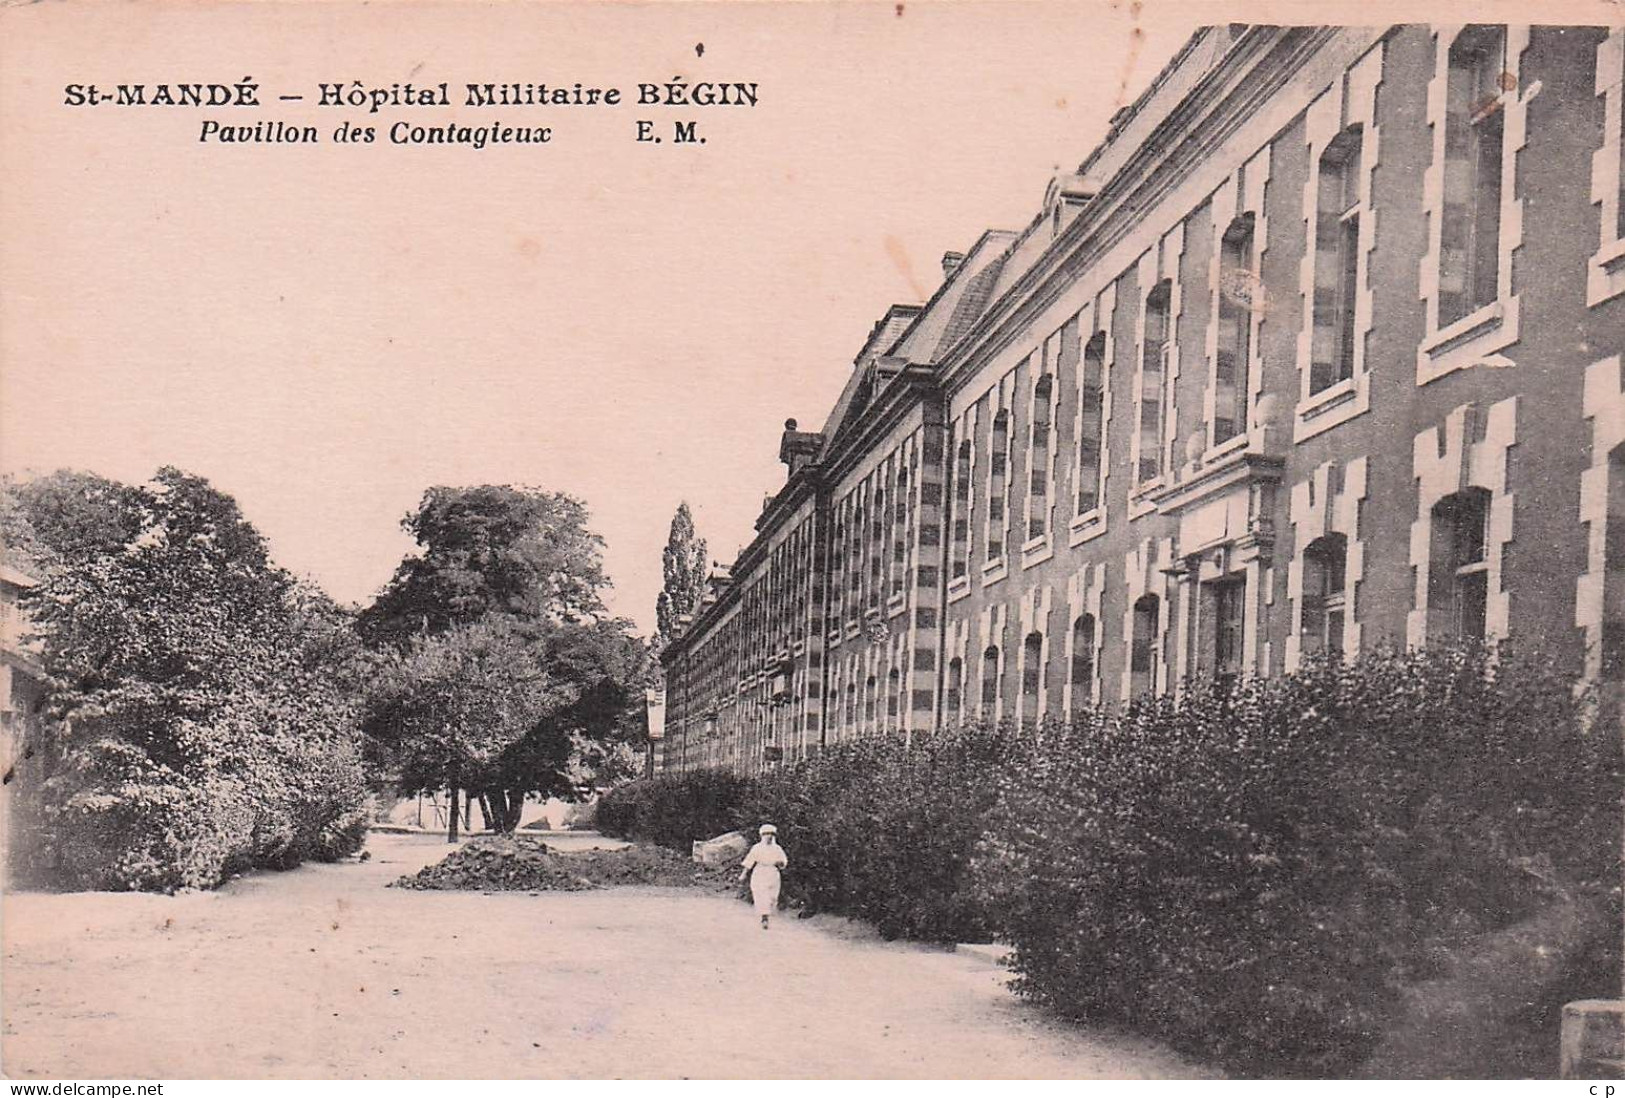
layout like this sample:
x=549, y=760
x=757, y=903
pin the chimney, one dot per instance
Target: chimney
x=797, y=449
x=951, y=262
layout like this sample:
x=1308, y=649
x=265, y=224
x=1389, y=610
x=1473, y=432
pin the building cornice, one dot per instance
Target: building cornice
x=912, y=386
x=1261, y=62
x=908, y=389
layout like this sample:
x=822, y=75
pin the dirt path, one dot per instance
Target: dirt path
x=323, y=972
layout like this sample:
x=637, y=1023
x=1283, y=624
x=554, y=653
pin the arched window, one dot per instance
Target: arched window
x=1032, y=675
x=1606, y=632
x=1083, y=664
x=990, y=681
x=894, y=687
x=1038, y=456
x=1459, y=566
x=1611, y=627
x=1143, y=648
x=953, y=689
x=1337, y=261
x=837, y=566
x=854, y=557
x=961, y=498
x=1091, y=422
x=877, y=547
x=998, y=488
x=1231, y=379
x=871, y=700
x=899, y=543
x=1325, y=570
x=1154, y=363
x=1470, y=225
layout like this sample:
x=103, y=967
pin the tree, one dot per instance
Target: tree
x=203, y=722
x=490, y=550
x=506, y=678
x=453, y=704
x=65, y=516
x=600, y=669
x=683, y=564
x=503, y=710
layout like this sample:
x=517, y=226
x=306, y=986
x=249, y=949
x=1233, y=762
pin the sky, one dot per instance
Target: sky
x=324, y=331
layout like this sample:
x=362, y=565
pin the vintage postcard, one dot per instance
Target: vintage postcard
x=823, y=540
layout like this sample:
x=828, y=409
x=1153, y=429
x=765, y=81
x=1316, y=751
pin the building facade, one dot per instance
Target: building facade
x=1319, y=349
x=22, y=719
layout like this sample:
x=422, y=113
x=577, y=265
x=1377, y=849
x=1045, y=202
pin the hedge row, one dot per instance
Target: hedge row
x=267, y=783
x=673, y=810
x=1257, y=872
x=1254, y=872
x=876, y=829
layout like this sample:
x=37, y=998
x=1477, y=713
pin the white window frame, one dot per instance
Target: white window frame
x=1159, y=263
x=1095, y=318
x=995, y=569
x=1604, y=408
x=1479, y=337
x=1046, y=363
x=1605, y=273
x=1242, y=194
x=965, y=432
x=1327, y=501
x=1446, y=459
x=1351, y=101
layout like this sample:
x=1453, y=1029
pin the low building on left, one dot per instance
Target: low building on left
x=22, y=719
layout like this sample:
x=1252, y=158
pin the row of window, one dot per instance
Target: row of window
x=1457, y=598
x=874, y=527
x=1471, y=275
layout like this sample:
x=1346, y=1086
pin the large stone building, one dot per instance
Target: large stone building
x=1319, y=349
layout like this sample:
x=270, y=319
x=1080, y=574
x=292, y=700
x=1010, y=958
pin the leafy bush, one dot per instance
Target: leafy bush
x=1256, y=871
x=875, y=828
x=884, y=830
x=673, y=810
x=203, y=700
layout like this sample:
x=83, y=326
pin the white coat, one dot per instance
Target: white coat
x=764, y=862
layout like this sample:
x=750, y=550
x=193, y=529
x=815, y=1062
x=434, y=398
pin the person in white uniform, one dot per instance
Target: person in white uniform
x=763, y=863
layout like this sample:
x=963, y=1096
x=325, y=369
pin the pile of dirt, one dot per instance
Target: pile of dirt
x=524, y=864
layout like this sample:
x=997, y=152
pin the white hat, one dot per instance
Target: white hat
x=767, y=829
